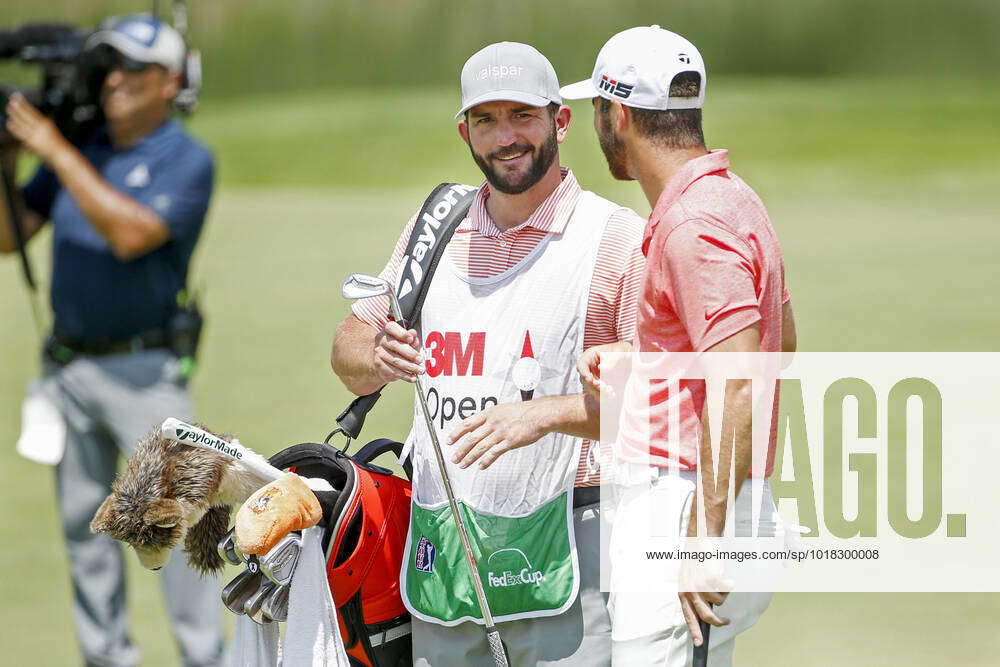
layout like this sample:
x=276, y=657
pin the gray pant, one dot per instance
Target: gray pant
x=108, y=403
x=580, y=636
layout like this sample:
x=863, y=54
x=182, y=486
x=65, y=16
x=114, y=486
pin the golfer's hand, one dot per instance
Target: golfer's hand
x=36, y=132
x=589, y=365
x=486, y=435
x=704, y=584
x=396, y=356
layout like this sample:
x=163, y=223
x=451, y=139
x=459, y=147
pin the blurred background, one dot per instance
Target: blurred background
x=869, y=129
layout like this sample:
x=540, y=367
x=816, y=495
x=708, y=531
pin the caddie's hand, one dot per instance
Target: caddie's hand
x=396, y=356
x=702, y=585
x=35, y=131
x=486, y=435
x=589, y=365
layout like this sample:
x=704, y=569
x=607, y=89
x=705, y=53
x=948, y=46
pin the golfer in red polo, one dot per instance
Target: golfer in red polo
x=714, y=281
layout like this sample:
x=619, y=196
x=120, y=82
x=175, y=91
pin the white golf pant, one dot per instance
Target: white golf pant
x=648, y=628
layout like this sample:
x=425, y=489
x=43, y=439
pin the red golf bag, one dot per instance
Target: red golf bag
x=366, y=518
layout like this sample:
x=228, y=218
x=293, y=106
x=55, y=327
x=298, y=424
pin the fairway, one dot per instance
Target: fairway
x=886, y=211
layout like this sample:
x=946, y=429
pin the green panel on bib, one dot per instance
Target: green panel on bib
x=526, y=563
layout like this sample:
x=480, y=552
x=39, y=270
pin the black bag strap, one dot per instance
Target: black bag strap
x=443, y=210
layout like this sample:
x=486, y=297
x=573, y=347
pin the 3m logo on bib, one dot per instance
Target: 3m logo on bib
x=519, y=570
x=450, y=357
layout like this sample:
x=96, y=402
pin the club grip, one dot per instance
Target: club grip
x=497, y=649
x=700, y=658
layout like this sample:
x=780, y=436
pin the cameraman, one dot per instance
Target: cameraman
x=127, y=209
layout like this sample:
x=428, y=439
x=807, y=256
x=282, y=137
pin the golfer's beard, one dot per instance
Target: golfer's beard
x=516, y=183
x=614, y=150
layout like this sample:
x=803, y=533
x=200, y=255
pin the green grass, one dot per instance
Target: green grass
x=885, y=205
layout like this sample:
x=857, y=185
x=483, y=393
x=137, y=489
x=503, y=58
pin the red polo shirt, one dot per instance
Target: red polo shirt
x=713, y=268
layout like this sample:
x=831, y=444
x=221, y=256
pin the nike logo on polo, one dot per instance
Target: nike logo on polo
x=711, y=315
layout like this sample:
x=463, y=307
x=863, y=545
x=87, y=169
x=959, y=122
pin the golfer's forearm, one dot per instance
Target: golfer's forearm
x=738, y=451
x=577, y=414
x=352, y=354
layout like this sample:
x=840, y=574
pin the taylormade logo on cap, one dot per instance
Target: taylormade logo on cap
x=637, y=66
x=511, y=72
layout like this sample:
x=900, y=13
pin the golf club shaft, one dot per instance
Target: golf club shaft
x=700, y=658
x=492, y=633
x=184, y=433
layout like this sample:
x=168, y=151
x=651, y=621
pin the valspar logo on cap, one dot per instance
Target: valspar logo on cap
x=499, y=72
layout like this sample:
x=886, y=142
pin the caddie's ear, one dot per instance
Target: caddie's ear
x=562, y=119
x=101, y=523
x=164, y=513
x=463, y=130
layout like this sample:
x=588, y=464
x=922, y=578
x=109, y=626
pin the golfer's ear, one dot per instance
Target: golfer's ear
x=463, y=130
x=101, y=523
x=163, y=512
x=621, y=116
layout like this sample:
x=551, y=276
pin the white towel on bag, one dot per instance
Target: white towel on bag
x=312, y=634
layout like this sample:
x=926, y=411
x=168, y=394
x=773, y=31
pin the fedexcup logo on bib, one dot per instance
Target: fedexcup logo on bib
x=515, y=576
x=424, y=557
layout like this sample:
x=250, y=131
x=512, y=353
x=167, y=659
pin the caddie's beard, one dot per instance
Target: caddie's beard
x=514, y=183
x=613, y=148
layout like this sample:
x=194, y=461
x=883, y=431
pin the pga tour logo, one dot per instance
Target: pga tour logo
x=423, y=559
x=616, y=88
x=514, y=576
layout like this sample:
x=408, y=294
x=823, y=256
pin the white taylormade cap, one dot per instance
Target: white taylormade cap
x=511, y=72
x=636, y=67
x=144, y=38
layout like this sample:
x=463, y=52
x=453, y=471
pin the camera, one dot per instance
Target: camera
x=72, y=75
x=71, y=79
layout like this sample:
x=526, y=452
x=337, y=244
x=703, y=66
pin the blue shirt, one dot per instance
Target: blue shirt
x=95, y=296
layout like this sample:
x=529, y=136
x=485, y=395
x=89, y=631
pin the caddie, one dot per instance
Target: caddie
x=539, y=271
x=714, y=282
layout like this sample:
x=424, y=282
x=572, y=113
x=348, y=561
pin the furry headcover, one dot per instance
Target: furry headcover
x=169, y=493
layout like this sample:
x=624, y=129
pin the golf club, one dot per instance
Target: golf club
x=279, y=563
x=361, y=286
x=227, y=549
x=256, y=601
x=240, y=589
x=700, y=658
x=275, y=606
x=184, y=433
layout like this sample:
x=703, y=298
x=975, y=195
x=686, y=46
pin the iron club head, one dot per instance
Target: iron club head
x=275, y=606
x=228, y=550
x=279, y=563
x=256, y=601
x=240, y=589
x=363, y=286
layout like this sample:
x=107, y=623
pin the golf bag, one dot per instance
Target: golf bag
x=366, y=517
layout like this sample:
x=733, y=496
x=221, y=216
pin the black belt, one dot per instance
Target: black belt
x=63, y=348
x=586, y=495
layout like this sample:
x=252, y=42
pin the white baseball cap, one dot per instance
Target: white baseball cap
x=511, y=72
x=144, y=38
x=636, y=67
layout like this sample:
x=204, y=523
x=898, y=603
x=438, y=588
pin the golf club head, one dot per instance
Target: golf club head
x=228, y=550
x=253, y=605
x=238, y=591
x=275, y=607
x=363, y=286
x=279, y=563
